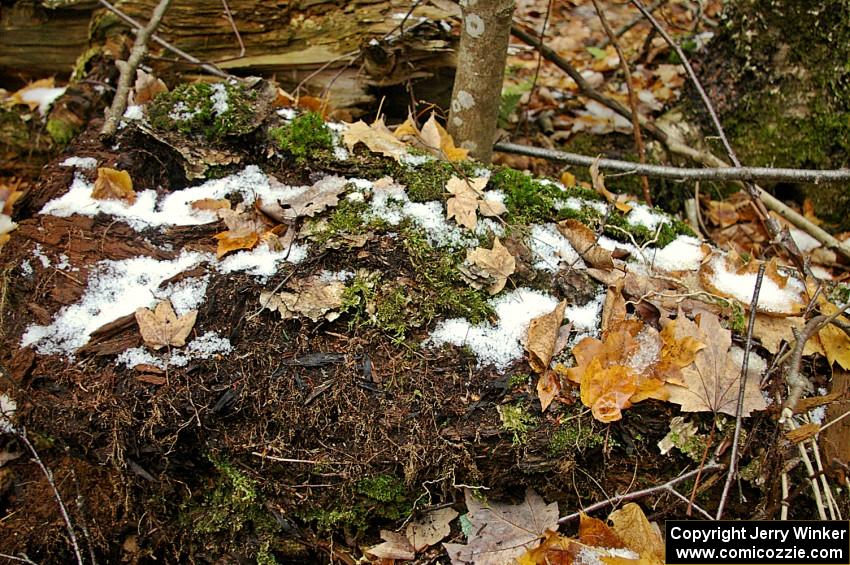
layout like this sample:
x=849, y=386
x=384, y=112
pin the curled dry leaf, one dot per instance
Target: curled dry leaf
x=113, y=185
x=244, y=230
x=430, y=529
x=311, y=298
x=548, y=387
x=468, y=199
x=542, y=334
x=146, y=88
x=440, y=143
x=598, y=178
x=638, y=534
x=583, y=239
x=488, y=267
x=395, y=546
x=161, y=327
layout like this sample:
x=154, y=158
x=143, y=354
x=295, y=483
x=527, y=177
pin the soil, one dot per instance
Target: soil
x=305, y=440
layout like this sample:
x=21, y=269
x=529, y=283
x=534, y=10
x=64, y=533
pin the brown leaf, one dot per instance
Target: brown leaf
x=598, y=178
x=637, y=533
x=465, y=199
x=607, y=390
x=234, y=240
x=311, y=298
x=113, y=185
x=711, y=384
x=835, y=342
x=542, y=333
x=430, y=529
x=503, y=532
x=147, y=87
x=583, y=239
x=211, y=204
x=596, y=533
x=161, y=327
x=440, y=143
x=377, y=137
x=548, y=387
x=322, y=195
x=488, y=267
x=395, y=546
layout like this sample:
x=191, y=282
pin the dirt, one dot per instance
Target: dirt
x=274, y=451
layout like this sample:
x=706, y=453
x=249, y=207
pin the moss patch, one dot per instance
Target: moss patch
x=306, y=137
x=517, y=420
x=213, y=111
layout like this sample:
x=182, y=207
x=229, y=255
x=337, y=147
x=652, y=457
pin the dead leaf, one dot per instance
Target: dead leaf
x=711, y=383
x=503, y=532
x=548, y=387
x=234, y=240
x=681, y=431
x=803, y=433
x=542, y=333
x=113, y=185
x=836, y=343
x=161, y=327
x=395, y=546
x=311, y=298
x=467, y=194
x=438, y=141
x=430, y=529
x=488, y=267
x=583, y=239
x=322, y=195
x=598, y=178
x=377, y=137
x=771, y=331
x=637, y=533
x=595, y=532
x=146, y=88
x=212, y=204
x=245, y=228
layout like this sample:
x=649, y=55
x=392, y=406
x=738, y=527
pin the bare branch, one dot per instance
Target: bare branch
x=630, y=24
x=128, y=70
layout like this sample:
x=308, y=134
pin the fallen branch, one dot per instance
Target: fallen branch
x=128, y=70
x=666, y=487
x=210, y=68
x=757, y=174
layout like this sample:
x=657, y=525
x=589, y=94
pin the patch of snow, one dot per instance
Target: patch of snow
x=219, y=99
x=499, y=344
x=138, y=356
x=180, y=112
x=39, y=254
x=551, y=250
x=575, y=203
x=79, y=162
x=804, y=241
x=26, y=268
x=42, y=96
x=202, y=347
x=287, y=114
x=586, y=319
x=331, y=276
x=643, y=215
x=63, y=263
x=262, y=261
x=682, y=254
x=772, y=297
x=115, y=289
x=414, y=160
x=185, y=295
x=134, y=112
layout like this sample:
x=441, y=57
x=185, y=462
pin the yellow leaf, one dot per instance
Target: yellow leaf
x=232, y=240
x=835, y=342
x=438, y=140
x=639, y=535
x=606, y=391
x=113, y=185
x=488, y=267
x=548, y=387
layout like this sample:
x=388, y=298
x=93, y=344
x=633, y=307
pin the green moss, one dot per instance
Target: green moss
x=427, y=181
x=345, y=219
x=190, y=109
x=517, y=420
x=383, y=488
x=618, y=227
x=840, y=294
x=230, y=505
x=305, y=138
x=61, y=131
x=383, y=497
x=574, y=436
x=518, y=379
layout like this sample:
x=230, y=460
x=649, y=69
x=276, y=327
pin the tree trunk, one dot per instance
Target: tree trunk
x=480, y=71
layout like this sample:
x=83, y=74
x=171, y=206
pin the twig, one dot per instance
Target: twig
x=235, y=29
x=630, y=24
x=533, y=88
x=22, y=435
x=210, y=68
x=128, y=70
x=758, y=174
x=18, y=559
x=733, y=459
x=640, y=493
x=797, y=384
x=718, y=171
x=627, y=74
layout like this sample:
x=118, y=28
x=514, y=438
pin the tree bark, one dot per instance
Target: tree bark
x=480, y=71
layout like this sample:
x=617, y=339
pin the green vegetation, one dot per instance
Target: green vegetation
x=305, y=138
x=518, y=379
x=195, y=109
x=427, y=181
x=574, y=436
x=517, y=420
x=61, y=131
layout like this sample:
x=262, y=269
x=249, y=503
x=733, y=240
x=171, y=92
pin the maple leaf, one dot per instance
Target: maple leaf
x=488, y=267
x=395, y=546
x=637, y=533
x=503, y=532
x=311, y=297
x=161, y=327
x=542, y=334
x=377, y=137
x=468, y=199
x=244, y=230
x=711, y=384
x=322, y=195
x=437, y=139
x=595, y=532
x=419, y=534
x=836, y=344
x=113, y=185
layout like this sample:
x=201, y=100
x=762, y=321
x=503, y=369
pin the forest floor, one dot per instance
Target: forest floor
x=276, y=339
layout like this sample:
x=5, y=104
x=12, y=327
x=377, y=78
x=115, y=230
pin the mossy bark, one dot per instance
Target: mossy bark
x=779, y=75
